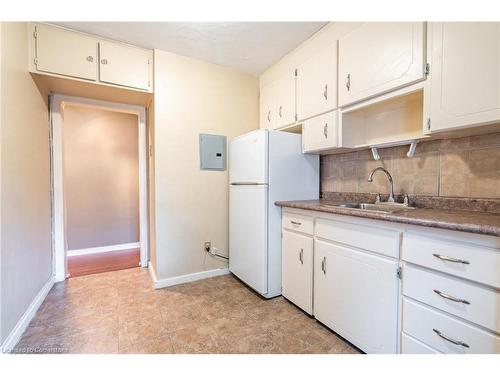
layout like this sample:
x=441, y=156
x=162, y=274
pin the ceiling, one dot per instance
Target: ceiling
x=247, y=46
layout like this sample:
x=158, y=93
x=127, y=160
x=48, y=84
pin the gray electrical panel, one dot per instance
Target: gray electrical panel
x=212, y=152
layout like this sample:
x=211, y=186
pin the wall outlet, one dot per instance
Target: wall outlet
x=208, y=246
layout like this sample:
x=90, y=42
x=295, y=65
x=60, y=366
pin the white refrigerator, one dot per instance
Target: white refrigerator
x=265, y=166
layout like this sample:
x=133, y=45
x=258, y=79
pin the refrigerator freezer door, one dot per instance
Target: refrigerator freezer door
x=248, y=234
x=248, y=158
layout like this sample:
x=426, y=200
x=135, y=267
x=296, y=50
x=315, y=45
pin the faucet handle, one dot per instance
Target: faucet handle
x=406, y=200
x=378, y=198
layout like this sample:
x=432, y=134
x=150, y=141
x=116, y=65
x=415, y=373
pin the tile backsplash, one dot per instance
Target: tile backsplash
x=466, y=167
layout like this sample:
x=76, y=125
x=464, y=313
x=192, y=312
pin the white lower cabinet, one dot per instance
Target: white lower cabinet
x=346, y=271
x=297, y=272
x=410, y=345
x=356, y=295
x=445, y=332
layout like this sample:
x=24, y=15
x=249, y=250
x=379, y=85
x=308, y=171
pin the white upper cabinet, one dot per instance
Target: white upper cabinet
x=464, y=74
x=317, y=83
x=267, y=107
x=285, y=99
x=64, y=52
x=320, y=133
x=60, y=52
x=378, y=57
x=124, y=65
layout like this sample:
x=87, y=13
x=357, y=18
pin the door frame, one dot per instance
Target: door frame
x=57, y=102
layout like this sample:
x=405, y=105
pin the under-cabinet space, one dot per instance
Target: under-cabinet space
x=395, y=120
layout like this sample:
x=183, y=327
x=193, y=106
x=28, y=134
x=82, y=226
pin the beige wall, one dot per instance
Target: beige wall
x=464, y=167
x=192, y=97
x=100, y=177
x=25, y=255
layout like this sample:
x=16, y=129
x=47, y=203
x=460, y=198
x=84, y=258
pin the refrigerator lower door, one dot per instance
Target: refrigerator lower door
x=248, y=234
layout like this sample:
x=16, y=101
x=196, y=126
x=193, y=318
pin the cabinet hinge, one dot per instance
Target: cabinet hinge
x=149, y=83
x=295, y=117
x=150, y=150
x=35, y=34
x=399, y=273
x=35, y=61
x=427, y=69
x=429, y=123
x=148, y=62
x=296, y=73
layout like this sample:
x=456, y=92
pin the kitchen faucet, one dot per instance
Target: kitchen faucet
x=370, y=179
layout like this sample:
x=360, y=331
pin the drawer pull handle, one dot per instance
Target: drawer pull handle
x=295, y=222
x=450, y=259
x=456, y=342
x=301, y=256
x=451, y=298
x=323, y=265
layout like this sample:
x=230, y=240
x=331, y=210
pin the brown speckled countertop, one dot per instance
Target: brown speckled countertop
x=461, y=220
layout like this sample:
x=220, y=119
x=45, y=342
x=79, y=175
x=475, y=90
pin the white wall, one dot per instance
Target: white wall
x=192, y=97
x=25, y=254
x=101, y=177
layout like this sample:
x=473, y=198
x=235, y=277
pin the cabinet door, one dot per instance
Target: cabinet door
x=285, y=100
x=297, y=269
x=320, y=133
x=124, y=65
x=267, y=107
x=378, y=57
x=317, y=83
x=465, y=74
x=65, y=52
x=356, y=295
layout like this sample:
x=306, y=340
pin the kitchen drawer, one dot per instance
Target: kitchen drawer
x=471, y=262
x=409, y=345
x=421, y=321
x=382, y=241
x=477, y=304
x=299, y=223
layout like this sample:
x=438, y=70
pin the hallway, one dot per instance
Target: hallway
x=120, y=312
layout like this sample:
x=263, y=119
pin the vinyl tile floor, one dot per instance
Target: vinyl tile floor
x=120, y=312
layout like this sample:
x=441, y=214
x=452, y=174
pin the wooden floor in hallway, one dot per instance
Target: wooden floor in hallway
x=121, y=312
x=88, y=264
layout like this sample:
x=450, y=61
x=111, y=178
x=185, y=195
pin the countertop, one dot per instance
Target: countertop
x=465, y=221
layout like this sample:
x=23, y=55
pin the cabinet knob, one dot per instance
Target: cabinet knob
x=90, y=59
x=325, y=130
x=325, y=92
x=104, y=61
x=348, y=82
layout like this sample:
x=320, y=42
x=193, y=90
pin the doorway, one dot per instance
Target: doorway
x=99, y=168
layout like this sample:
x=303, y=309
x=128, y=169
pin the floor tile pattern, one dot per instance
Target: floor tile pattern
x=120, y=312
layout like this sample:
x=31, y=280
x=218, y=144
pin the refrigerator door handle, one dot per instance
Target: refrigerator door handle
x=245, y=183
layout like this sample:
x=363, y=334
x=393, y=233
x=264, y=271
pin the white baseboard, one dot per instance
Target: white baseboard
x=104, y=249
x=16, y=333
x=163, y=283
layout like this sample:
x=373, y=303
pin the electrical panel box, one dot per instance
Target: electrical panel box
x=212, y=152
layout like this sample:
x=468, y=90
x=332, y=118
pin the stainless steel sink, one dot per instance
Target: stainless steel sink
x=378, y=207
